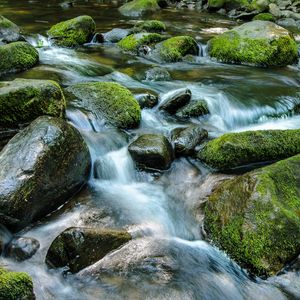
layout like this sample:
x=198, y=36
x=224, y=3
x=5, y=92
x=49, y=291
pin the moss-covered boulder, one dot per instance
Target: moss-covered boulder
x=41, y=168
x=23, y=100
x=255, y=217
x=152, y=152
x=72, y=33
x=132, y=42
x=195, y=108
x=9, y=31
x=149, y=26
x=175, y=48
x=77, y=248
x=17, y=57
x=137, y=8
x=15, y=286
x=107, y=100
x=264, y=17
x=238, y=149
x=260, y=43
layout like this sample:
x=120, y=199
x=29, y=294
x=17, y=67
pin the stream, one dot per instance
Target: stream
x=168, y=257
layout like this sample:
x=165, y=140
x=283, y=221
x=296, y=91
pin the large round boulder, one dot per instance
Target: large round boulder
x=74, y=32
x=41, y=167
x=17, y=57
x=9, y=31
x=23, y=100
x=239, y=149
x=260, y=43
x=255, y=217
x=137, y=8
x=108, y=100
x=77, y=248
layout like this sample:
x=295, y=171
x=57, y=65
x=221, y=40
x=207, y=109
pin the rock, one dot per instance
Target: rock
x=72, y=33
x=41, y=167
x=193, y=109
x=9, y=31
x=274, y=10
x=15, y=285
x=264, y=17
x=175, y=100
x=216, y=4
x=149, y=26
x=152, y=151
x=132, y=42
x=6, y=134
x=137, y=8
x=107, y=100
x=238, y=149
x=146, y=100
x=115, y=35
x=185, y=139
x=23, y=100
x=22, y=248
x=157, y=74
x=287, y=23
x=259, y=43
x=77, y=248
x=255, y=217
x=175, y=48
x=17, y=57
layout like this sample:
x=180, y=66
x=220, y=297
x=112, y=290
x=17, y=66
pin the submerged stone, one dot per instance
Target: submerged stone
x=157, y=74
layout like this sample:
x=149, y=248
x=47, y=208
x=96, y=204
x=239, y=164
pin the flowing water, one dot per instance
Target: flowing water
x=168, y=257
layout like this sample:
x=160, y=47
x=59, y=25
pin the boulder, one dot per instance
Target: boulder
x=196, y=108
x=137, y=8
x=22, y=248
x=77, y=248
x=185, y=139
x=152, y=151
x=255, y=217
x=260, y=43
x=72, y=33
x=17, y=57
x=239, y=149
x=23, y=100
x=115, y=35
x=264, y=17
x=9, y=31
x=15, y=285
x=157, y=74
x=41, y=168
x=175, y=100
x=107, y=100
x=146, y=100
x=149, y=26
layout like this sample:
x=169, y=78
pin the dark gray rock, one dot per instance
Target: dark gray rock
x=22, y=248
x=146, y=100
x=193, y=109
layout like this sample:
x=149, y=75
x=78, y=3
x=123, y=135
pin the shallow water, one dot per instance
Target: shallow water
x=168, y=258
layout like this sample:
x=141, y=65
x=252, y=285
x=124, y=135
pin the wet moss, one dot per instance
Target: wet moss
x=264, y=17
x=5, y=23
x=149, y=26
x=136, y=8
x=74, y=32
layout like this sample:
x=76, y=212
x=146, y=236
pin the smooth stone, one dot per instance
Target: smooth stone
x=22, y=248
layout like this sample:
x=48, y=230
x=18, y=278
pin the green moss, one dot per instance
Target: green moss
x=255, y=217
x=73, y=32
x=149, y=26
x=16, y=57
x=216, y=3
x=136, y=8
x=264, y=17
x=14, y=286
x=175, y=48
x=238, y=149
x=134, y=41
x=5, y=23
x=111, y=101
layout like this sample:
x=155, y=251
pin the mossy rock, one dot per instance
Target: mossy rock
x=264, y=17
x=238, y=149
x=72, y=33
x=17, y=57
x=193, y=109
x=9, y=31
x=15, y=286
x=260, y=43
x=216, y=4
x=132, y=42
x=137, y=8
x=175, y=48
x=255, y=217
x=79, y=247
x=149, y=26
x=23, y=100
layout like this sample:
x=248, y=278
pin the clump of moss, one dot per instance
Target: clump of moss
x=137, y=8
x=173, y=49
x=108, y=100
x=149, y=26
x=132, y=42
x=237, y=149
x=16, y=57
x=15, y=285
x=264, y=17
x=74, y=32
x=255, y=217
